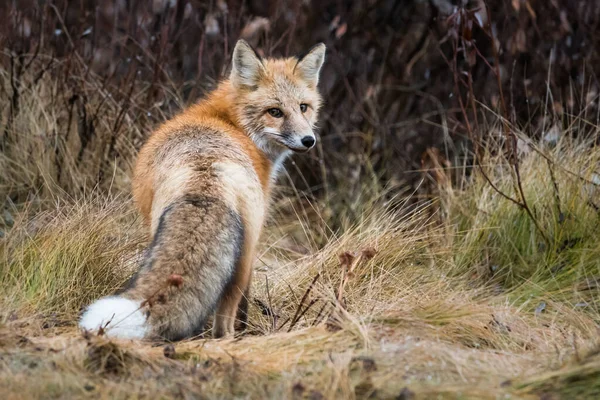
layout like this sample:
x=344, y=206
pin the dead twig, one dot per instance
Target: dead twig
x=297, y=314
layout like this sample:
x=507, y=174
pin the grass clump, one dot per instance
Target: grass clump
x=61, y=259
x=555, y=254
x=61, y=132
x=577, y=378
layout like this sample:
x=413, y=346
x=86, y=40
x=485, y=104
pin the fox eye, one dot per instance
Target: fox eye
x=275, y=112
x=303, y=107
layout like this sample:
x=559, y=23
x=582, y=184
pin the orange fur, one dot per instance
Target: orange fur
x=215, y=111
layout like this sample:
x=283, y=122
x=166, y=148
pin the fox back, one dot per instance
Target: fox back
x=202, y=184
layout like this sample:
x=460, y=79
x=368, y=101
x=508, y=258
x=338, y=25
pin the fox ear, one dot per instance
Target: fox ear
x=246, y=65
x=308, y=66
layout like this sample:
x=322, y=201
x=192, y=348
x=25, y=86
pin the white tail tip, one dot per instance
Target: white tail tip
x=127, y=321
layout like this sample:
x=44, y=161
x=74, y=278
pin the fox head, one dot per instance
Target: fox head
x=277, y=101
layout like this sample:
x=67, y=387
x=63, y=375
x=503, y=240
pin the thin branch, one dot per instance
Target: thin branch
x=299, y=308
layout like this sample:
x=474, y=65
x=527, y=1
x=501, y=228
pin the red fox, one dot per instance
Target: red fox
x=202, y=184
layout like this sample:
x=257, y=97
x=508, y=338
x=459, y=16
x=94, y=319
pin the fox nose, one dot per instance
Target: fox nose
x=308, y=141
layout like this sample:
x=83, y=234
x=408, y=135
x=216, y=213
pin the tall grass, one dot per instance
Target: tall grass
x=62, y=130
x=554, y=256
x=59, y=260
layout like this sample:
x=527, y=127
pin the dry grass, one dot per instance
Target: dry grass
x=415, y=318
x=63, y=130
x=464, y=297
x=59, y=260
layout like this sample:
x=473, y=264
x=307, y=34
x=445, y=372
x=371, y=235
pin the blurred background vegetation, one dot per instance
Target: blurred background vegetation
x=404, y=81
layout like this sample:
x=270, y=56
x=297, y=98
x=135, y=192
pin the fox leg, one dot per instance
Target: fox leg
x=242, y=312
x=234, y=299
